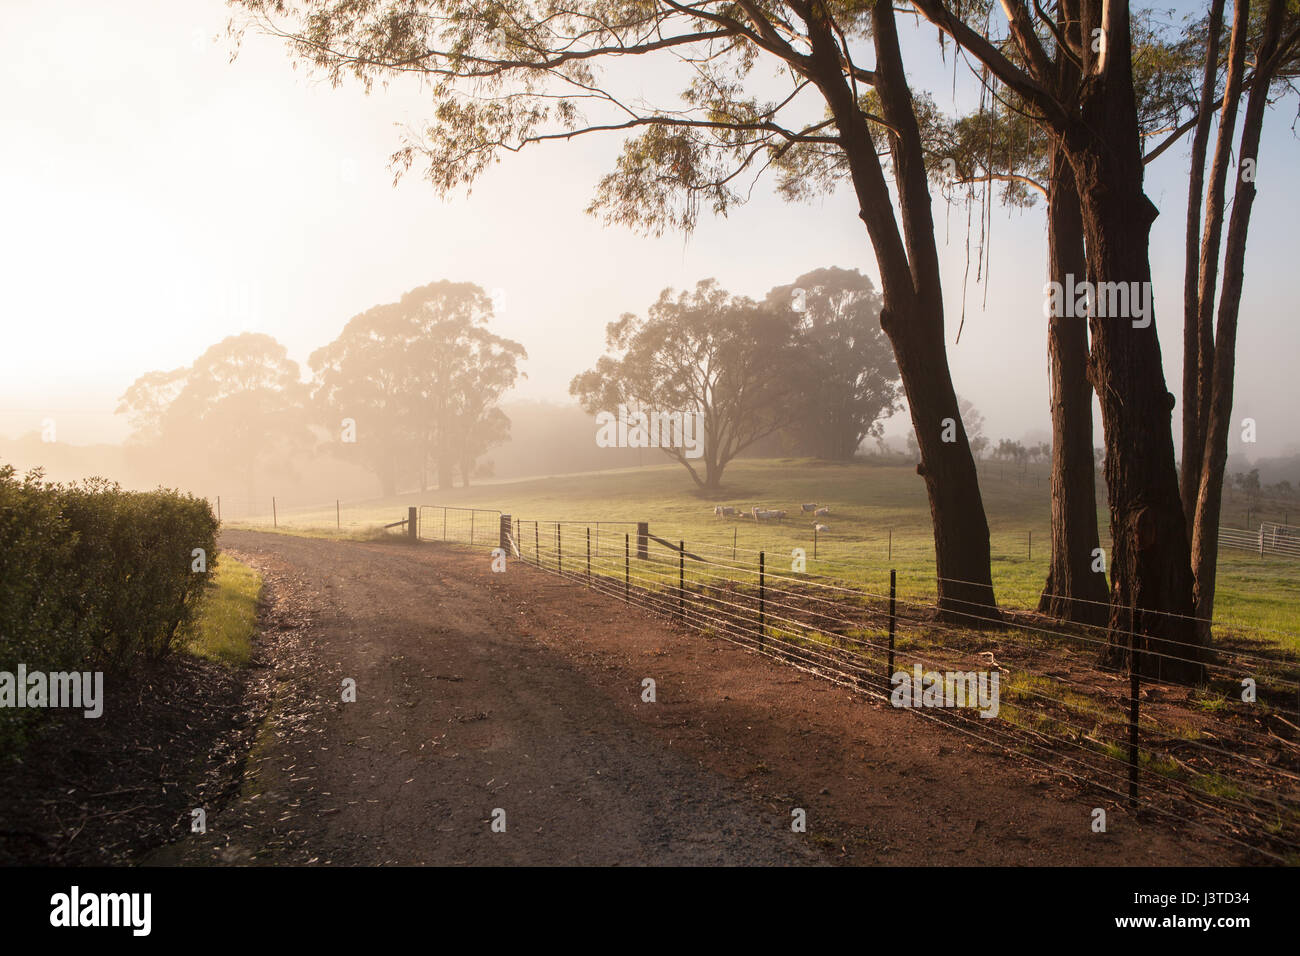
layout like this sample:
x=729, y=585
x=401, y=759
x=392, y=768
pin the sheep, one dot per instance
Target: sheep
x=778, y=515
x=720, y=511
x=821, y=528
x=807, y=508
x=822, y=511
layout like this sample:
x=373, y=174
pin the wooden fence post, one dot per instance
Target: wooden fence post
x=642, y=540
x=559, y=550
x=589, y=554
x=275, y=520
x=627, y=565
x=762, y=555
x=412, y=523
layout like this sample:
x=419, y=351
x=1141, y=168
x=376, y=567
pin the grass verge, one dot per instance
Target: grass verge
x=225, y=627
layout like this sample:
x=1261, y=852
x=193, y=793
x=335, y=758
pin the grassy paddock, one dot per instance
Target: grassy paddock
x=227, y=622
x=879, y=519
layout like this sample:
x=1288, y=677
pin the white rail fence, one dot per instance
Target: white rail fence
x=1271, y=538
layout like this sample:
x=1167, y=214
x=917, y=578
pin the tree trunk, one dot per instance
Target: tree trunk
x=1211, y=240
x=1193, y=413
x=912, y=316
x=1151, y=571
x=1209, y=500
x=1074, y=590
x=961, y=531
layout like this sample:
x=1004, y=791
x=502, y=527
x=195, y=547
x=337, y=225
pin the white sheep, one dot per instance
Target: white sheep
x=822, y=511
x=807, y=508
x=821, y=528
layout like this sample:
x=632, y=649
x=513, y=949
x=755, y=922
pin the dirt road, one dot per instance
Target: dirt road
x=483, y=696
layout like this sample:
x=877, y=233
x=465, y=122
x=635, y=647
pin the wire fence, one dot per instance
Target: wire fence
x=472, y=526
x=276, y=512
x=1222, y=757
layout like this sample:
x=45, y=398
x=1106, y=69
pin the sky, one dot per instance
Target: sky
x=157, y=197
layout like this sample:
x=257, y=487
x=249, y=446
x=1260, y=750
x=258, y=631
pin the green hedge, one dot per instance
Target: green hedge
x=95, y=577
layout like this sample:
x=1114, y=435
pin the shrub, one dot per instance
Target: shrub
x=92, y=575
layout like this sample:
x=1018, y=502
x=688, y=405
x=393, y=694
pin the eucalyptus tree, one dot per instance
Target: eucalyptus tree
x=849, y=383
x=420, y=380
x=731, y=364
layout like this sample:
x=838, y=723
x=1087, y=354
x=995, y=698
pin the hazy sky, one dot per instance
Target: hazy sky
x=157, y=197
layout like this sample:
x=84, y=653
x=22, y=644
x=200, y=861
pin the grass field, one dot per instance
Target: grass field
x=879, y=519
x=226, y=625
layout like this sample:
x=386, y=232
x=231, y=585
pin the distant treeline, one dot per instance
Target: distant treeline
x=411, y=392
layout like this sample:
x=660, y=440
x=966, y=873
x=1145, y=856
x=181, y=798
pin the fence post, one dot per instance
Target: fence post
x=681, y=579
x=762, y=555
x=1133, y=672
x=412, y=525
x=559, y=550
x=444, y=524
x=893, y=582
x=642, y=540
x=275, y=520
x=505, y=524
x=471, y=526
x=537, y=545
x=733, y=543
x=627, y=565
x=589, y=554
x=338, y=515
